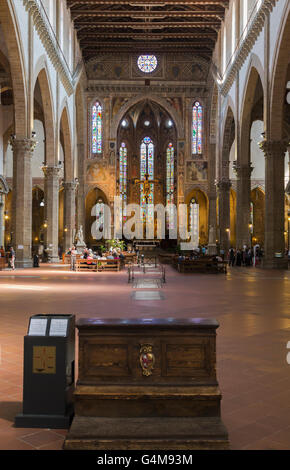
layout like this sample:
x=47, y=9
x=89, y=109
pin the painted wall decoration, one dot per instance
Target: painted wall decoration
x=196, y=171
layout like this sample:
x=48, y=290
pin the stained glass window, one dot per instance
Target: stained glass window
x=147, y=63
x=97, y=128
x=197, y=128
x=170, y=182
x=123, y=176
x=147, y=167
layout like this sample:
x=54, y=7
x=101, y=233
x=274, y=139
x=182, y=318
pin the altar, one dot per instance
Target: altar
x=146, y=245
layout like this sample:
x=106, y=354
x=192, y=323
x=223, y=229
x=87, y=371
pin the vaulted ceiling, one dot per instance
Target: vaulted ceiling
x=147, y=26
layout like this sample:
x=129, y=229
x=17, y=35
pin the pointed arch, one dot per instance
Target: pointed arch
x=67, y=143
x=172, y=112
x=281, y=74
x=48, y=111
x=17, y=69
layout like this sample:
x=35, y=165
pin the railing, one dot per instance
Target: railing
x=132, y=271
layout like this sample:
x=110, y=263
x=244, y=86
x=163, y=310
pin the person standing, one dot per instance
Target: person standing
x=231, y=257
x=73, y=258
x=12, y=258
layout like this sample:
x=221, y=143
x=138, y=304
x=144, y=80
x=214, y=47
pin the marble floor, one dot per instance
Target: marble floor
x=251, y=305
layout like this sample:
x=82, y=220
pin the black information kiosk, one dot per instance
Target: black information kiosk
x=48, y=378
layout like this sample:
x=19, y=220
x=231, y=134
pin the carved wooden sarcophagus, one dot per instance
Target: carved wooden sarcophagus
x=147, y=384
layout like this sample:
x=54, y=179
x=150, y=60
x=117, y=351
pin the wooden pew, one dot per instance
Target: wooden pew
x=97, y=265
x=201, y=265
x=85, y=265
x=108, y=264
x=2, y=263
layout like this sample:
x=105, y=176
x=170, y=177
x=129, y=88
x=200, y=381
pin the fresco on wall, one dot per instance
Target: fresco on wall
x=196, y=171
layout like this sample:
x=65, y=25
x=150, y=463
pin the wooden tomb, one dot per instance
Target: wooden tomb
x=147, y=384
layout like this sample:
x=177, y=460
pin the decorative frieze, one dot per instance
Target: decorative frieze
x=104, y=89
x=50, y=43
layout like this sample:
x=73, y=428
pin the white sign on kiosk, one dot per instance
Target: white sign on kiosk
x=37, y=327
x=58, y=327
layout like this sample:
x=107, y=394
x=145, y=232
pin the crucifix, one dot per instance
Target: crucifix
x=146, y=186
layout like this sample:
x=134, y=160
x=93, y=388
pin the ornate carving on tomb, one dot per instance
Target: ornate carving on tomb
x=147, y=359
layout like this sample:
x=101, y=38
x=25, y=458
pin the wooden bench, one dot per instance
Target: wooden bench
x=84, y=265
x=109, y=264
x=97, y=265
x=2, y=263
x=201, y=265
x=66, y=259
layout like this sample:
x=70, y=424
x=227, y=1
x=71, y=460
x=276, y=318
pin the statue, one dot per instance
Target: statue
x=212, y=250
x=80, y=240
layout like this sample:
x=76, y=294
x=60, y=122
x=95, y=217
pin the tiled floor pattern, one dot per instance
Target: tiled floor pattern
x=252, y=306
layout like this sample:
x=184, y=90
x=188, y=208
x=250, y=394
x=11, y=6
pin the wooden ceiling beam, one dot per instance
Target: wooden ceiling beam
x=185, y=24
x=146, y=15
x=152, y=3
x=200, y=35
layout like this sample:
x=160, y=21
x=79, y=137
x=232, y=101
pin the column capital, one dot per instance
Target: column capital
x=243, y=171
x=274, y=148
x=70, y=185
x=224, y=184
x=51, y=171
x=23, y=145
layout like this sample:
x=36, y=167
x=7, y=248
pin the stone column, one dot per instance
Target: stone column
x=69, y=213
x=22, y=200
x=274, y=204
x=243, y=204
x=212, y=217
x=224, y=187
x=81, y=216
x=2, y=221
x=212, y=249
x=51, y=197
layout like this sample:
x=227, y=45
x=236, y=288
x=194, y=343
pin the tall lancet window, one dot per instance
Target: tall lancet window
x=123, y=176
x=97, y=126
x=194, y=221
x=169, y=181
x=197, y=128
x=147, y=168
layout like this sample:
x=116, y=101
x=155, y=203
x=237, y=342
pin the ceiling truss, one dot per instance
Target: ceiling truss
x=152, y=25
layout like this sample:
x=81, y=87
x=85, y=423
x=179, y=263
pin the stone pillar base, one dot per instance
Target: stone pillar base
x=212, y=250
x=54, y=259
x=275, y=263
x=25, y=263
